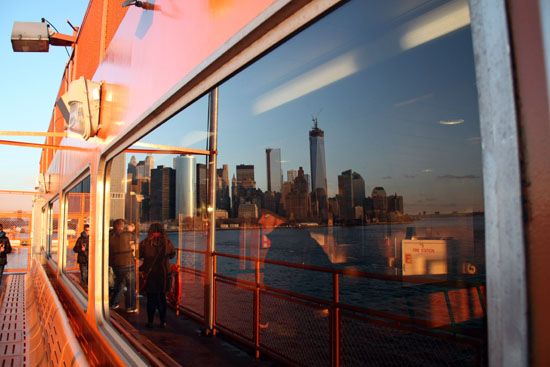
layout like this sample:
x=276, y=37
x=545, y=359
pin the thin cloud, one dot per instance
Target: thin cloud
x=413, y=100
x=386, y=178
x=451, y=122
x=194, y=137
x=427, y=170
x=455, y=177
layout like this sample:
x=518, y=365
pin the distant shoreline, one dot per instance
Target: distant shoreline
x=305, y=225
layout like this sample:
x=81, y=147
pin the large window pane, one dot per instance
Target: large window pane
x=156, y=181
x=53, y=238
x=355, y=147
x=78, y=232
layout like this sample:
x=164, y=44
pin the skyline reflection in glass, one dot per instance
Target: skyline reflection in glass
x=370, y=116
x=398, y=109
x=374, y=110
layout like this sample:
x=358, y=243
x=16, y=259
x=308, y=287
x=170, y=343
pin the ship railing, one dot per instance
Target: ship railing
x=425, y=319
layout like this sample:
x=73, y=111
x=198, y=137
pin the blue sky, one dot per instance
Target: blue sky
x=30, y=84
x=402, y=112
x=381, y=119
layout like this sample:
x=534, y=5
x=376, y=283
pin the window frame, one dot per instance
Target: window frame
x=505, y=244
x=81, y=298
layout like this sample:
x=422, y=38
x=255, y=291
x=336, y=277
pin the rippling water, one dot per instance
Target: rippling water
x=365, y=248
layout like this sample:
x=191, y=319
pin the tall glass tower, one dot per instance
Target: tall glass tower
x=185, y=185
x=317, y=159
x=274, y=171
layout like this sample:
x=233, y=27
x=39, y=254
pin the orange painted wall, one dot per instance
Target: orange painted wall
x=147, y=52
x=155, y=49
x=534, y=126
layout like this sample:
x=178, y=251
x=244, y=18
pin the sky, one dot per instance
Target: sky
x=379, y=90
x=30, y=84
x=397, y=107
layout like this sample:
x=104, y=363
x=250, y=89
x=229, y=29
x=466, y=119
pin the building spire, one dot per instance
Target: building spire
x=315, y=122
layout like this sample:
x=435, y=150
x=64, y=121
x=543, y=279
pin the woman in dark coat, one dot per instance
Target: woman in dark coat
x=156, y=250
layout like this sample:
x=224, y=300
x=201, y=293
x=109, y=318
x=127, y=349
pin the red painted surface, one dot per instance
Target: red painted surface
x=154, y=49
x=534, y=125
x=148, y=53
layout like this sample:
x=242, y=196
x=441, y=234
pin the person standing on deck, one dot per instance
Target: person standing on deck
x=121, y=247
x=156, y=250
x=81, y=247
x=5, y=248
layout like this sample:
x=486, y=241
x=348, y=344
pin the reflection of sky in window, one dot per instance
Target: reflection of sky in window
x=397, y=106
x=186, y=129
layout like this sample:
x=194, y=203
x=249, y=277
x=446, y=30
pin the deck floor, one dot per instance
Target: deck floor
x=13, y=325
x=183, y=342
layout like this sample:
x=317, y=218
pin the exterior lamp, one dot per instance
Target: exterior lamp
x=140, y=4
x=36, y=37
x=80, y=107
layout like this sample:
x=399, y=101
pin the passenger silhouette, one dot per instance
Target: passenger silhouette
x=121, y=247
x=5, y=248
x=81, y=247
x=156, y=250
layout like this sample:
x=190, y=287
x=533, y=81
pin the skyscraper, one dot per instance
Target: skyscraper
x=245, y=176
x=291, y=175
x=243, y=188
x=297, y=200
x=163, y=194
x=351, y=192
x=201, y=187
x=274, y=170
x=379, y=202
x=118, y=186
x=131, y=203
x=395, y=203
x=223, y=200
x=318, y=169
x=149, y=165
x=185, y=185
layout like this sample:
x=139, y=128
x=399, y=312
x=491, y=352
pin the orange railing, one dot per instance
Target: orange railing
x=439, y=321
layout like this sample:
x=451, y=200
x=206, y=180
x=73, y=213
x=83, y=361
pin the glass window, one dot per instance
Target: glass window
x=158, y=218
x=78, y=232
x=53, y=244
x=355, y=148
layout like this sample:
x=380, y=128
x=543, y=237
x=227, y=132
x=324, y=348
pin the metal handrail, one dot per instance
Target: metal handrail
x=335, y=306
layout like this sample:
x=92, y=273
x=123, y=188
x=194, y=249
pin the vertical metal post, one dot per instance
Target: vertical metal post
x=257, y=307
x=335, y=334
x=179, y=252
x=507, y=292
x=211, y=209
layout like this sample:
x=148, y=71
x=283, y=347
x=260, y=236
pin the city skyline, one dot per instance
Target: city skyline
x=396, y=123
x=417, y=109
x=245, y=176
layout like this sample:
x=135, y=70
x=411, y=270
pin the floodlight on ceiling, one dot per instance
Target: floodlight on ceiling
x=36, y=37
